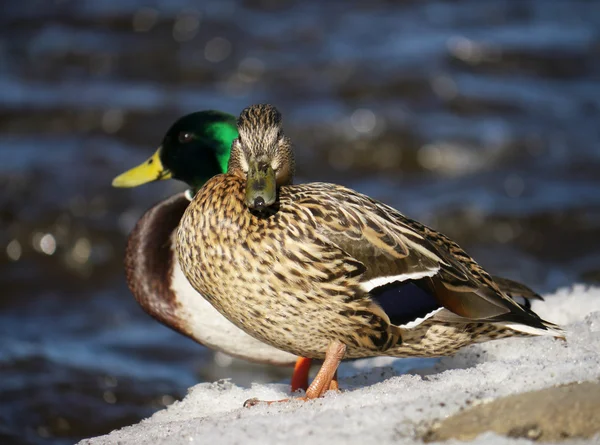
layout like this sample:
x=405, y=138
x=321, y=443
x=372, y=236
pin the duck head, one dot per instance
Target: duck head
x=196, y=148
x=262, y=155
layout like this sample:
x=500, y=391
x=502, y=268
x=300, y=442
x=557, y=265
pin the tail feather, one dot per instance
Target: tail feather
x=519, y=292
x=546, y=329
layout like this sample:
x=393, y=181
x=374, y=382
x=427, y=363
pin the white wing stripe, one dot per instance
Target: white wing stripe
x=367, y=286
x=418, y=321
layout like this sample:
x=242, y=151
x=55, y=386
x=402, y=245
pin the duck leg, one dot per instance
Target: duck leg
x=328, y=372
x=334, y=385
x=300, y=375
x=323, y=380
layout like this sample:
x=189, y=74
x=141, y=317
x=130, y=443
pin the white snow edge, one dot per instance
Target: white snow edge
x=388, y=400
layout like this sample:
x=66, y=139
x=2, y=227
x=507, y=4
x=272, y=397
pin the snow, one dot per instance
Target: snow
x=387, y=400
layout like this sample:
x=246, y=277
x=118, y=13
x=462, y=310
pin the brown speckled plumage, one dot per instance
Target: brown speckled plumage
x=152, y=273
x=303, y=274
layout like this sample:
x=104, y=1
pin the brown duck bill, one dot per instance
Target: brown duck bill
x=261, y=186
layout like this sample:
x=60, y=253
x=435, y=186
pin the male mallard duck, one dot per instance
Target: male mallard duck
x=324, y=272
x=195, y=148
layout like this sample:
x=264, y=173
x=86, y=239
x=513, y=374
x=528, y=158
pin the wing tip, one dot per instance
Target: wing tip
x=547, y=329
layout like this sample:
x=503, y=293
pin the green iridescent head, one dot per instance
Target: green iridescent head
x=196, y=148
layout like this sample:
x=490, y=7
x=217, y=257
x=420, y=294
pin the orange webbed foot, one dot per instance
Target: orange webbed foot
x=325, y=380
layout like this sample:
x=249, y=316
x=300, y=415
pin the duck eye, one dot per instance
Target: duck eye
x=185, y=136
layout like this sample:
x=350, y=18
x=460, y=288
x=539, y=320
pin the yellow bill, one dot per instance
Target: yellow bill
x=148, y=171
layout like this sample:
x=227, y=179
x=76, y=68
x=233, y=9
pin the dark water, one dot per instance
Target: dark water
x=481, y=119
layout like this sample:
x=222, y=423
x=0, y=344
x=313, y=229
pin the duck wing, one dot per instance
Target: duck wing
x=396, y=250
x=519, y=292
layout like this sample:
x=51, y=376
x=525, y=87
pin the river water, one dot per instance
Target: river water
x=480, y=119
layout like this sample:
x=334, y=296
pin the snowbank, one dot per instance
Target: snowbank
x=388, y=400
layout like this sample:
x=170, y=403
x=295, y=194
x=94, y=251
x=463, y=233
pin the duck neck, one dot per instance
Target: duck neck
x=217, y=163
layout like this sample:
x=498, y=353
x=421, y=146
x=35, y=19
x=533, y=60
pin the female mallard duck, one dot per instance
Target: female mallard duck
x=195, y=148
x=323, y=272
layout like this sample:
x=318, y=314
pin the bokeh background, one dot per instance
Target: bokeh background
x=480, y=118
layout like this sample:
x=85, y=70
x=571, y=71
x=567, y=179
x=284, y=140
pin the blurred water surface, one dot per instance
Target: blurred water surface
x=478, y=118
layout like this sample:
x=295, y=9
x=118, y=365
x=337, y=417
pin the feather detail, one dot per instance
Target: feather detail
x=367, y=286
x=417, y=321
x=548, y=329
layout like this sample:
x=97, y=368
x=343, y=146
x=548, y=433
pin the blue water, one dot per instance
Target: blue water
x=477, y=118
